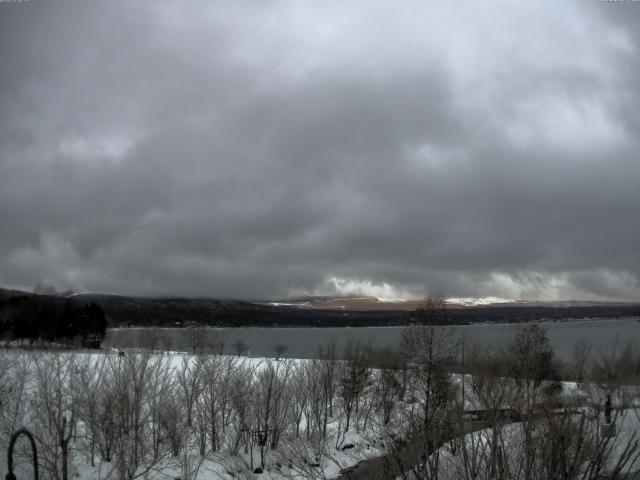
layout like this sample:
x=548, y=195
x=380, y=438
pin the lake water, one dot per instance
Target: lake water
x=304, y=342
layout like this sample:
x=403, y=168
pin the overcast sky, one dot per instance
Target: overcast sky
x=268, y=149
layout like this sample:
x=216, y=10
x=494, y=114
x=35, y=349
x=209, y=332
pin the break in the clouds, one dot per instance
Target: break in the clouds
x=265, y=149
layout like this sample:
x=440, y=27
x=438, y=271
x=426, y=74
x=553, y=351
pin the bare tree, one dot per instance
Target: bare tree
x=390, y=383
x=219, y=379
x=430, y=346
x=129, y=415
x=329, y=356
x=189, y=384
x=617, y=372
x=355, y=372
x=197, y=338
x=492, y=393
x=318, y=379
x=300, y=389
x=531, y=361
x=240, y=347
x=279, y=350
x=166, y=342
x=56, y=409
x=271, y=400
x=580, y=363
x=217, y=342
x=190, y=461
x=171, y=426
x=90, y=375
x=241, y=397
x=161, y=385
x=151, y=339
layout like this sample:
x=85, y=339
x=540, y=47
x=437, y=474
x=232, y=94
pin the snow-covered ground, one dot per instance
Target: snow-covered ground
x=295, y=456
x=41, y=390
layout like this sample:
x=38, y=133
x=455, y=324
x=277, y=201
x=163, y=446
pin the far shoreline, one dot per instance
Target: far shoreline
x=545, y=321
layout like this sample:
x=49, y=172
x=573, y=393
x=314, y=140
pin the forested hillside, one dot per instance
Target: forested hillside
x=171, y=312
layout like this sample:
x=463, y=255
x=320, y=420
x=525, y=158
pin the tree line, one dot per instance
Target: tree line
x=44, y=319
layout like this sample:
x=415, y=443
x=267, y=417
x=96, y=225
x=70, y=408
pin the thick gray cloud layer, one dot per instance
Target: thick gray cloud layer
x=243, y=149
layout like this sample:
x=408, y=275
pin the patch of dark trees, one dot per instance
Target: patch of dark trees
x=38, y=319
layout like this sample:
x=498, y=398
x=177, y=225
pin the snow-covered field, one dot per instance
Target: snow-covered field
x=169, y=415
x=224, y=397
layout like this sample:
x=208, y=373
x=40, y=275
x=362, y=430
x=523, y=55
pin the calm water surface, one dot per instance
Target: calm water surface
x=304, y=342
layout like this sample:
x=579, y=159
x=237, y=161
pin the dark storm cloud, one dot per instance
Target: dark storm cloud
x=232, y=150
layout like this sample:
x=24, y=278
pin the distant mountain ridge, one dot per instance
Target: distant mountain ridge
x=320, y=311
x=372, y=303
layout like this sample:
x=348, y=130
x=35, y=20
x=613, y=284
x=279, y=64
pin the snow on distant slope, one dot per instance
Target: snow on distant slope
x=472, y=302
